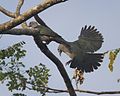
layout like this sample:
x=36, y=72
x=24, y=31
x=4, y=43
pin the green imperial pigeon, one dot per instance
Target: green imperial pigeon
x=46, y=33
x=82, y=51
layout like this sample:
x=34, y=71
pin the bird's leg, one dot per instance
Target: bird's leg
x=78, y=77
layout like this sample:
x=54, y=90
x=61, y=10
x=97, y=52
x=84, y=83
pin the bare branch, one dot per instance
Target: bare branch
x=20, y=3
x=28, y=14
x=21, y=31
x=14, y=15
x=6, y=12
x=40, y=21
x=53, y=90
x=57, y=62
x=98, y=93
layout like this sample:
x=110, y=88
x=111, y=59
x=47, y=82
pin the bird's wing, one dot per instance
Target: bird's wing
x=47, y=31
x=87, y=62
x=90, y=40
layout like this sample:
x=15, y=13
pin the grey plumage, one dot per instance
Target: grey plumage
x=82, y=51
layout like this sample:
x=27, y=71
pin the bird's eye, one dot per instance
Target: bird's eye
x=58, y=49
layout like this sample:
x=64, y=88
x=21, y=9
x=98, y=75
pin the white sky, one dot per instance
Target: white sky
x=67, y=19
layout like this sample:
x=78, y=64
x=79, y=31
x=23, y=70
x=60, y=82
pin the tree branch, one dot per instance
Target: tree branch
x=21, y=31
x=57, y=62
x=20, y=3
x=28, y=14
x=53, y=90
x=40, y=21
x=6, y=12
x=16, y=14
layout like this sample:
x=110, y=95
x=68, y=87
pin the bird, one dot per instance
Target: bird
x=83, y=51
x=46, y=33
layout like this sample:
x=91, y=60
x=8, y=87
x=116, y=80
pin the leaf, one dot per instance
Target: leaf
x=112, y=56
x=2, y=76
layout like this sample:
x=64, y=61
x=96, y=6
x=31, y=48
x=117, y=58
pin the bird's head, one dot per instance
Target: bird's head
x=60, y=49
x=63, y=48
x=33, y=24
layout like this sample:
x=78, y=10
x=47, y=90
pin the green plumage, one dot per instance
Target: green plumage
x=46, y=33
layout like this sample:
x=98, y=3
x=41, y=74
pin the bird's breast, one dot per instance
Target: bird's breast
x=71, y=55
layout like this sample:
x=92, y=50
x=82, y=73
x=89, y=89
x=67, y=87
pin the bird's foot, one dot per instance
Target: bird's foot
x=78, y=77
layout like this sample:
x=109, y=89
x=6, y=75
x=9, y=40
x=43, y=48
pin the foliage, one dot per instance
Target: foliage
x=112, y=56
x=11, y=71
x=38, y=78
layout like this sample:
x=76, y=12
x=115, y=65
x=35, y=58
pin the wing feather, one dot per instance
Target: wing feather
x=90, y=40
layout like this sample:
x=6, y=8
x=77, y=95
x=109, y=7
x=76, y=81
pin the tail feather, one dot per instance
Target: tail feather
x=87, y=62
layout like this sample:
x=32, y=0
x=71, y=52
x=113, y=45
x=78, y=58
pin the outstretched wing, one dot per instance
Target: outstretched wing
x=90, y=40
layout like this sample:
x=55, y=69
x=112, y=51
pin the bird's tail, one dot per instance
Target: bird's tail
x=87, y=62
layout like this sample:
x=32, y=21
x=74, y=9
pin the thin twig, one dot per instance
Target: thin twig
x=20, y=3
x=17, y=13
x=6, y=12
x=111, y=50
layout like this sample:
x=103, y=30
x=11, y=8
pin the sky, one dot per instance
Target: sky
x=67, y=19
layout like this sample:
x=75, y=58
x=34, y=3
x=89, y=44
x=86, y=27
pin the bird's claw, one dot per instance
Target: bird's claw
x=78, y=77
